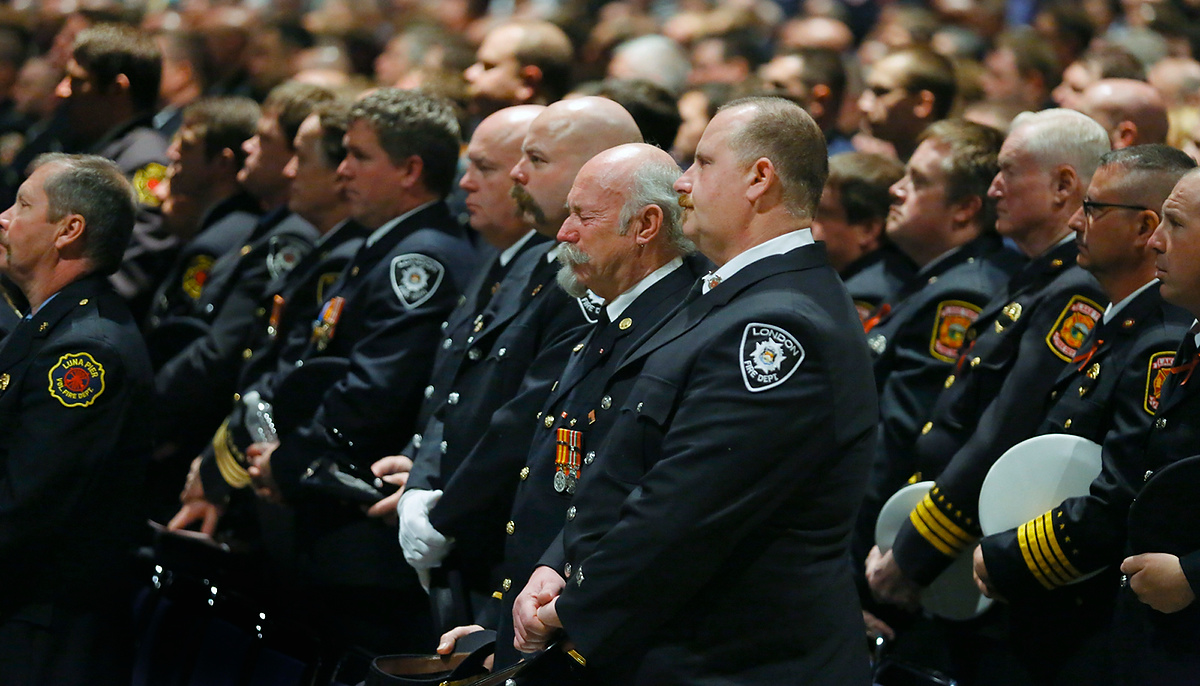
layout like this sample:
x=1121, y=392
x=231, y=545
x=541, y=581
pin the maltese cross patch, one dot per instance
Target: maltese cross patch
x=415, y=278
x=770, y=356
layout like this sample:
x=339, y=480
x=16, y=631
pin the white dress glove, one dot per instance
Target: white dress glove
x=424, y=546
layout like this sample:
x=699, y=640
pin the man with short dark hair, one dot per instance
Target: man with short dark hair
x=905, y=92
x=749, y=416
x=74, y=384
x=816, y=79
x=520, y=62
x=110, y=91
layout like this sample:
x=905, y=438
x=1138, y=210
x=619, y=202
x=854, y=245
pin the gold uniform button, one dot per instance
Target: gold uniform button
x=43, y=326
x=975, y=361
x=247, y=353
x=506, y=584
x=510, y=527
x=577, y=348
x=354, y=272
x=83, y=302
x=927, y=428
x=245, y=250
x=1056, y=263
x=625, y=323
x=524, y=473
x=237, y=397
x=1067, y=424
x=949, y=381
x=548, y=422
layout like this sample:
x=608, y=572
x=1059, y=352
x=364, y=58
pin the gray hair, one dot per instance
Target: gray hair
x=656, y=59
x=1058, y=136
x=653, y=184
x=94, y=188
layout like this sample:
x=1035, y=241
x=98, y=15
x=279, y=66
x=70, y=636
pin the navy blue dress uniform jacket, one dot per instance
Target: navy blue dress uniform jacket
x=996, y=398
x=472, y=377
x=577, y=403
x=192, y=387
x=876, y=278
x=915, y=341
x=1154, y=647
x=708, y=542
x=141, y=152
x=74, y=387
x=1107, y=394
x=394, y=295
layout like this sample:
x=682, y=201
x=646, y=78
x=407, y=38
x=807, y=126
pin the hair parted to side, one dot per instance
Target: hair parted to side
x=1058, y=136
x=224, y=123
x=107, y=50
x=94, y=188
x=411, y=123
x=784, y=133
x=653, y=183
x=334, y=118
x=972, y=162
x=862, y=180
x=291, y=102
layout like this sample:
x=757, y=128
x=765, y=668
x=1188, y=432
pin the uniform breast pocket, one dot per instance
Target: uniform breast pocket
x=644, y=418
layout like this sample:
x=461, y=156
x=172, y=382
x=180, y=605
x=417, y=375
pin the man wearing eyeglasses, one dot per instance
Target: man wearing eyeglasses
x=1014, y=351
x=1109, y=395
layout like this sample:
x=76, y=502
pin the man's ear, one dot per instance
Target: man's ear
x=762, y=179
x=964, y=211
x=531, y=80
x=924, y=107
x=646, y=224
x=120, y=84
x=413, y=167
x=818, y=100
x=70, y=234
x=1066, y=182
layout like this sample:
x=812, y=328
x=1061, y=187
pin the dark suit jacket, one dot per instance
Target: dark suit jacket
x=708, y=543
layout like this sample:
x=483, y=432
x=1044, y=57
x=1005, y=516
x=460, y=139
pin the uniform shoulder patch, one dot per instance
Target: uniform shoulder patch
x=415, y=278
x=1074, y=324
x=196, y=274
x=1156, y=376
x=76, y=380
x=285, y=253
x=950, y=326
x=146, y=181
x=591, y=304
x=769, y=356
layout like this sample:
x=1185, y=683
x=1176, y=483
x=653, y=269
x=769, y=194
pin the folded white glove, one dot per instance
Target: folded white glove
x=424, y=546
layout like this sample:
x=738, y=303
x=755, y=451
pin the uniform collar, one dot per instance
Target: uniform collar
x=776, y=246
x=1113, y=310
x=388, y=226
x=624, y=300
x=511, y=251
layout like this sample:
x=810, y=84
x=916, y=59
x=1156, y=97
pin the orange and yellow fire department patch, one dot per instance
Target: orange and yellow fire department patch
x=1077, y=320
x=196, y=275
x=146, y=181
x=1160, y=365
x=950, y=326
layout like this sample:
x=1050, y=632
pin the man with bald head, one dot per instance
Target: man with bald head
x=623, y=240
x=512, y=349
x=519, y=62
x=706, y=542
x=1133, y=112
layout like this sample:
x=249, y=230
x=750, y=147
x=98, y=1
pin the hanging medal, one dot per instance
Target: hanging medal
x=567, y=460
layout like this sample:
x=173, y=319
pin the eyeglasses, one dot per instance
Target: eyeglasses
x=1089, y=208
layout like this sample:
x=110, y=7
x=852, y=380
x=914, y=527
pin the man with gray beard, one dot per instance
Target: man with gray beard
x=514, y=348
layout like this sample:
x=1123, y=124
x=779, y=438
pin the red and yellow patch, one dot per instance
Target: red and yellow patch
x=76, y=380
x=950, y=326
x=146, y=181
x=196, y=275
x=1074, y=324
x=1160, y=366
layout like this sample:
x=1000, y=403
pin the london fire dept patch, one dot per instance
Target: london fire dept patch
x=286, y=252
x=770, y=356
x=76, y=380
x=415, y=278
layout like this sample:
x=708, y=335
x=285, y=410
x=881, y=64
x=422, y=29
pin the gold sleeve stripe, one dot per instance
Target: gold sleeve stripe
x=1069, y=572
x=578, y=657
x=1044, y=555
x=931, y=530
x=955, y=532
x=227, y=464
x=1027, y=553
